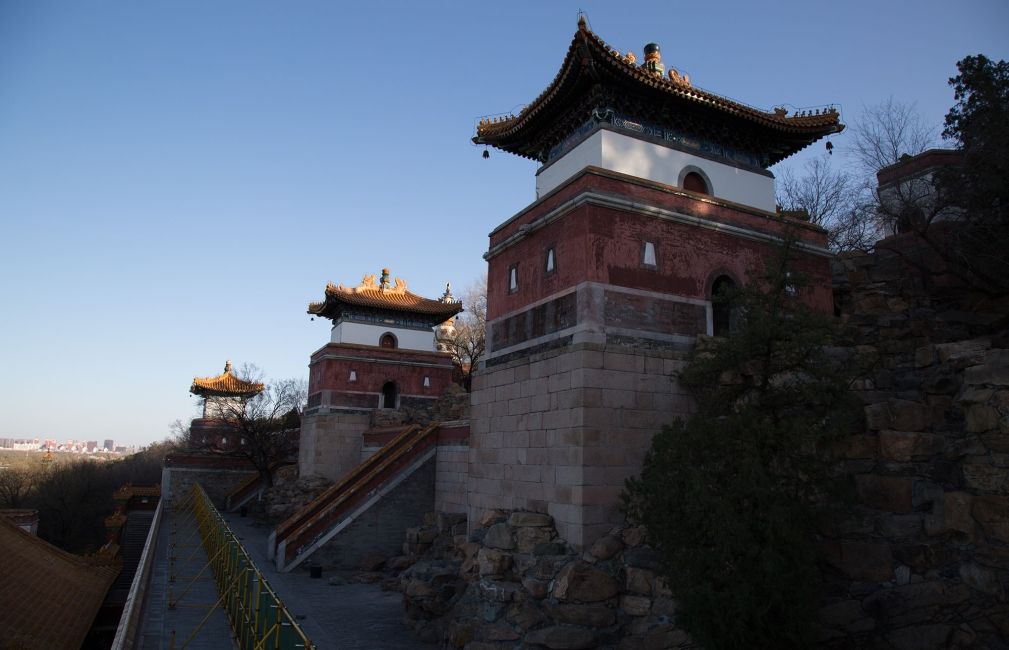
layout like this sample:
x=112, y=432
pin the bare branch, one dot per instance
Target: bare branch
x=468, y=343
x=887, y=131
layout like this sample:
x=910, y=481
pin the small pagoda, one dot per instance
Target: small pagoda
x=382, y=356
x=223, y=393
x=223, y=396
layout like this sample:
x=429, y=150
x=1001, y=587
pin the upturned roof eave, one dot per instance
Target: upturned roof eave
x=589, y=56
x=205, y=386
x=333, y=306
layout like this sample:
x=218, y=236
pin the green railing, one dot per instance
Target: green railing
x=258, y=617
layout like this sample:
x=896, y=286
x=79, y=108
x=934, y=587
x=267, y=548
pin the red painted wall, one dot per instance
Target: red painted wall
x=602, y=244
x=333, y=374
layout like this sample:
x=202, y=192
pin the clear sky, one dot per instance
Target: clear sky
x=179, y=179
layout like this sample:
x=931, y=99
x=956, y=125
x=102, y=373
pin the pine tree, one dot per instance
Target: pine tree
x=729, y=496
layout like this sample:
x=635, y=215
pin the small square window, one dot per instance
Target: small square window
x=790, y=287
x=648, y=254
x=427, y=382
x=551, y=262
x=353, y=376
x=513, y=278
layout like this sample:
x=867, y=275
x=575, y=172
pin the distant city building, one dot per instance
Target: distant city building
x=109, y=445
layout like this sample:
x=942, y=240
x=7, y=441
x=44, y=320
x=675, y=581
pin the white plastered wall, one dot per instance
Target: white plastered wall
x=634, y=157
x=370, y=334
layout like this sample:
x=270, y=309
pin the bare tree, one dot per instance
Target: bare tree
x=832, y=199
x=468, y=344
x=179, y=436
x=886, y=131
x=16, y=485
x=846, y=201
x=267, y=425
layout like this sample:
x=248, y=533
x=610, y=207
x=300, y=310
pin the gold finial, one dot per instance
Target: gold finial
x=227, y=366
x=582, y=24
x=384, y=281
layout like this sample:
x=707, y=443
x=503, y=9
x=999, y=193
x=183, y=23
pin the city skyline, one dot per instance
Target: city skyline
x=178, y=181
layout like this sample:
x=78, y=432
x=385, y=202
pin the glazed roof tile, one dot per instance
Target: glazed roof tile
x=587, y=51
x=48, y=598
x=384, y=296
x=225, y=384
x=127, y=491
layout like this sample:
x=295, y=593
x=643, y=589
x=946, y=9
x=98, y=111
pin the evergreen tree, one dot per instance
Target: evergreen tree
x=979, y=123
x=729, y=496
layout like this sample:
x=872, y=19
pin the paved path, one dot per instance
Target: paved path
x=195, y=595
x=346, y=617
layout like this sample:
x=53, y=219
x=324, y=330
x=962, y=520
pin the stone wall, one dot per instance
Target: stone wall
x=920, y=560
x=559, y=431
x=923, y=559
x=452, y=476
x=216, y=482
x=330, y=443
x=516, y=584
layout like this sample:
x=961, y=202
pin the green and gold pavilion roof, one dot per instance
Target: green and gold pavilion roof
x=596, y=84
x=382, y=296
x=225, y=384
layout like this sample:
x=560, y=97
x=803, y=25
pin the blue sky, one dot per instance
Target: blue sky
x=179, y=179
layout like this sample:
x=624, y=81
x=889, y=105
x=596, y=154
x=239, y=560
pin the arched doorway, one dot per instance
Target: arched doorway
x=390, y=393
x=387, y=341
x=723, y=313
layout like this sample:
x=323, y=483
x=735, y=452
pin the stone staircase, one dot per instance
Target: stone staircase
x=134, y=537
x=362, y=489
x=249, y=489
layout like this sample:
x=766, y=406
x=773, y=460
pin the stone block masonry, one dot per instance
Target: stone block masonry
x=216, y=481
x=514, y=583
x=559, y=431
x=331, y=443
x=921, y=560
x=452, y=474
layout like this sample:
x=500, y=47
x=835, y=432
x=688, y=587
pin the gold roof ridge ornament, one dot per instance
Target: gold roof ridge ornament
x=383, y=292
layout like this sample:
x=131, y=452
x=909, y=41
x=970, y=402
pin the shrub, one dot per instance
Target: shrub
x=729, y=497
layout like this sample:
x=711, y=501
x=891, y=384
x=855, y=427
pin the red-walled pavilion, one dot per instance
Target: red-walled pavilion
x=652, y=195
x=224, y=396
x=382, y=354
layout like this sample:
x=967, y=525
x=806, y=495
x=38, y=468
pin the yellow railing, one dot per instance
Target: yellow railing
x=258, y=617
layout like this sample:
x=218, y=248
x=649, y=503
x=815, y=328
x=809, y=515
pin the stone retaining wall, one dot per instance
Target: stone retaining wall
x=515, y=584
x=922, y=561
